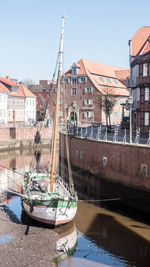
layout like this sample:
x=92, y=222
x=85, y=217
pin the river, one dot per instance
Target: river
x=99, y=236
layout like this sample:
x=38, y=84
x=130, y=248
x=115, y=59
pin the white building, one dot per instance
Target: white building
x=3, y=103
x=17, y=103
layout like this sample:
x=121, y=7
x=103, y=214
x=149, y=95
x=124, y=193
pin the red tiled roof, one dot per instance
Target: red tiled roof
x=26, y=92
x=145, y=49
x=139, y=39
x=95, y=70
x=4, y=89
x=8, y=82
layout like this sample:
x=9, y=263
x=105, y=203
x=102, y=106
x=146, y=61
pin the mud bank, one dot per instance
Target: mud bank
x=25, y=244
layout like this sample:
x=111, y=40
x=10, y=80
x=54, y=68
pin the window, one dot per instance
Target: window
x=82, y=79
x=145, y=67
x=74, y=70
x=88, y=114
x=88, y=90
x=149, y=69
x=67, y=80
x=44, y=90
x=108, y=80
x=74, y=80
x=60, y=114
x=61, y=90
x=146, y=118
x=115, y=81
x=88, y=101
x=73, y=91
x=101, y=78
x=146, y=94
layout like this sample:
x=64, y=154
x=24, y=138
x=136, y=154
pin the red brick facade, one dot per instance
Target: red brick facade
x=80, y=88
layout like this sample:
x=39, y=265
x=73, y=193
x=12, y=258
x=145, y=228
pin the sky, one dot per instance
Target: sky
x=94, y=30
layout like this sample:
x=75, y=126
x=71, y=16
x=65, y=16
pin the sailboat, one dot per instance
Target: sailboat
x=46, y=197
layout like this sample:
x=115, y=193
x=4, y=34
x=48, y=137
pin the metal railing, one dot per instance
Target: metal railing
x=115, y=135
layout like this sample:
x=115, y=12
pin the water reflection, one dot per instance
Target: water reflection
x=98, y=237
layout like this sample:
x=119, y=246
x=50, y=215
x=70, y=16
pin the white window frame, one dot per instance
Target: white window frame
x=146, y=94
x=88, y=101
x=88, y=90
x=88, y=114
x=73, y=91
x=74, y=80
x=145, y=69
x=146, y=118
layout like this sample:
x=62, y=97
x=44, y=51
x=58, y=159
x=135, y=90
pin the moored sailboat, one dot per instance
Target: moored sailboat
x=46, y=197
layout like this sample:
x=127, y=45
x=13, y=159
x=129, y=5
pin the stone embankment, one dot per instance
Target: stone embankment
x=12, y=138
x=121, y=163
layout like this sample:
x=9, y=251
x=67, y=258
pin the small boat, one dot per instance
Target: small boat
x=46, y=197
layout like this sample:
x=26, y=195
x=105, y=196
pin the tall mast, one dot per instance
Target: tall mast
x=57, y=105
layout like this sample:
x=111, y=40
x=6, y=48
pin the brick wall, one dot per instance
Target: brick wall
x=126, y=164
x=23, y=136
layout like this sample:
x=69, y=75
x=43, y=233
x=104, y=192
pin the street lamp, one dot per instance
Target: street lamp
x=130, y=103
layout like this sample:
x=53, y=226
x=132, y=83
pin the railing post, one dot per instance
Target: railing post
x=115, y=138
x=98, y=137
x=105, y=136
x=85, y=133
x=137, y=138
x=125, y=136
x=91, y=134
x=81, y=131
x=148, y=141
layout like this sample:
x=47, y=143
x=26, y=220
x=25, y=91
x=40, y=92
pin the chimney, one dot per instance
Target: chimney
x=7, y=77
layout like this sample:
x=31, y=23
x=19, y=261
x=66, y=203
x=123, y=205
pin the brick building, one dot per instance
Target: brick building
x=42, y=92
x=139, y=80
x=80, y=87
x=84, y=82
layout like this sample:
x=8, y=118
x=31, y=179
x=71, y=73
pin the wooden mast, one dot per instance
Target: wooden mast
x=57, y=106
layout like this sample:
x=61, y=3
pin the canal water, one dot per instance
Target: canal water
x=99, y=236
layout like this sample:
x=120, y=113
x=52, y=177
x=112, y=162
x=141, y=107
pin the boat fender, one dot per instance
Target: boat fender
x=31, y=206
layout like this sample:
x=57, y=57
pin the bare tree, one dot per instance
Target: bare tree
x=107, y=101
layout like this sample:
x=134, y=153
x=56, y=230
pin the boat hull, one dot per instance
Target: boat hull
x=54, y=213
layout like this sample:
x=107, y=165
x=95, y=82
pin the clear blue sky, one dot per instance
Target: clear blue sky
x=95, y=30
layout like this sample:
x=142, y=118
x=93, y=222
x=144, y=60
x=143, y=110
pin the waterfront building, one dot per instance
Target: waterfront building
x=85, y=81
x=19, y=103
x=4, y=92
x=80, y=87
x=139, y=79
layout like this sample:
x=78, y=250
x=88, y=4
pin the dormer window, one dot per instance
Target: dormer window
x=14, y=89
x=74, y=69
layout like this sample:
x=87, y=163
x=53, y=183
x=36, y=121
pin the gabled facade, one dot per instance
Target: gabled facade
x=84, y=81
x=19, y=103
x=139, y=80
x=80, y=87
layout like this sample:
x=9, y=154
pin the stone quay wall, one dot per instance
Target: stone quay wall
x=15, y=137
x=120, y=163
